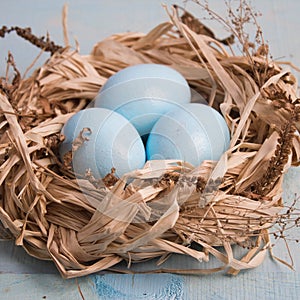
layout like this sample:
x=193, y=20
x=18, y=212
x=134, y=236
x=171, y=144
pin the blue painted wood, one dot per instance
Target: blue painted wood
x=23, y=277
x=264, y=286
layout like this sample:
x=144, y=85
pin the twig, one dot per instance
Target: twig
x=64, y=24
x=79, y=290
x=45, y=44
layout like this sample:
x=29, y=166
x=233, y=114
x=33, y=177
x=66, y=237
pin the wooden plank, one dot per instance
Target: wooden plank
x=25, y=286
x=148, y=287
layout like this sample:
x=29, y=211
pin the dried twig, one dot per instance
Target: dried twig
x=41, y=42
x=198, y=27
x=278, y=161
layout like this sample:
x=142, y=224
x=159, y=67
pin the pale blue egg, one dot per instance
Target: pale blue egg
x=143, y=93
x=193, y=133
x=112, y=142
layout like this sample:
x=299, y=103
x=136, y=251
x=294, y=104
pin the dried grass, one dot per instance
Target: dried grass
x=85, y=226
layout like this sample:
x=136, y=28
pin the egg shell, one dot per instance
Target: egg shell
x=113, y=142
x=193, y=133
x=143, y=93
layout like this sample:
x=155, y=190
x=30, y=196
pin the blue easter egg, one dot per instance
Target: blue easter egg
x=143, y=93
x=193, y=133
x=112, y=142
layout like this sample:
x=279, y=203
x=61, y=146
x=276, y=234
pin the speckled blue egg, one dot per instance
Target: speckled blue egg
x=112, y=142
x=193, y=133
x=143, y=93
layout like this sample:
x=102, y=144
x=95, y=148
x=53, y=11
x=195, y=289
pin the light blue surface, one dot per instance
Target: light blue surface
x=23, y=277
x=112, y=141
x=143, y=93
x=145, y=72
x=193, y=132
x=267, y=286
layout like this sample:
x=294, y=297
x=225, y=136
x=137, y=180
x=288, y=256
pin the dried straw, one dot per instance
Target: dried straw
x=86, y=227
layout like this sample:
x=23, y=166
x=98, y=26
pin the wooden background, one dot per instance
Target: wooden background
x=23, y=277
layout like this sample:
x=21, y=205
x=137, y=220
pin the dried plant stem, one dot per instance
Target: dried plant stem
x=40, y=42
x=64, y=25
x=278, y=161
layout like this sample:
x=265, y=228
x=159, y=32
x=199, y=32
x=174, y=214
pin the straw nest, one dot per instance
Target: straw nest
x=85, y=224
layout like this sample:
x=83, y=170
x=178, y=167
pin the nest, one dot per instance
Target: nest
x=86, y=224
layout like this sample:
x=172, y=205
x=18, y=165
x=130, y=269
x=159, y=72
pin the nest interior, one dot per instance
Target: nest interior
x=86, y=225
